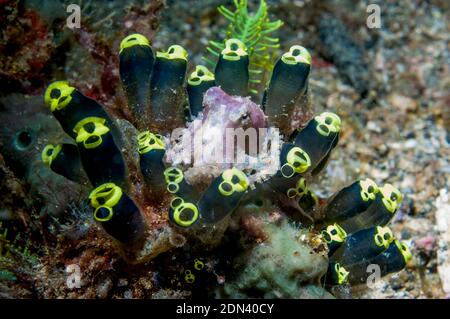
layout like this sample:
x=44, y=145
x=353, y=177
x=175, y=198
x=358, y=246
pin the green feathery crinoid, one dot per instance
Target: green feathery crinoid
x=254, y=31
x=7, y=247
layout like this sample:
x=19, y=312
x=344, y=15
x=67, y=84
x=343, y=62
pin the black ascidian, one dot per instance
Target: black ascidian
x=379, y=213
x=69, y=106
x=334, y=236
x=336, y=275
x=232, y=68
x=306, y=199
x=223, y=195
x=318, y=139
x=101, y=158
x=183, y=211
x=350, y=201
x=288, y=83
x=151, y=160
x=309, y=153
x=177, y=184
x=293, y=162
x=362, y=245
x=392, y=260
x=136, y=65
x=198, y=83
x=362, y=210
x=167, y=90
x=64, y=160
x=118, y=214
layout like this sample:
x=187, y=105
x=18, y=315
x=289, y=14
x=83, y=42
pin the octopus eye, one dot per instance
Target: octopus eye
x=199, y=82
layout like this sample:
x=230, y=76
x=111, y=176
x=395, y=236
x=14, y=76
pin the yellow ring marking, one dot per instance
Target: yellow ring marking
x=335, y=233
x=133, y=40
x=177, y=211
x=296, y=54
x=109, y=192
x=298, y=156
x=64, y=95
x=48, y=158
x=241, y=185
x=369, y=189
x=341, y=273
x=330, y=120
x=234, y=50
x=105, y=219
x=200, y=75
x=404, y=250
x=83, y=135
x=383, y=236
x=173, y=52
x=392, y=197
x=148, y=142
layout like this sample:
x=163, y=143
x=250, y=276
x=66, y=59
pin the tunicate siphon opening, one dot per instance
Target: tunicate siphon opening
x=176, y=239
x=23, y=140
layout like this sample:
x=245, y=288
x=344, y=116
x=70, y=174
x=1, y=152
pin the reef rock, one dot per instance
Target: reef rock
x=285, y=266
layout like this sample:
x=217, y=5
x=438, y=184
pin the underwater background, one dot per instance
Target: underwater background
x=385, y=89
